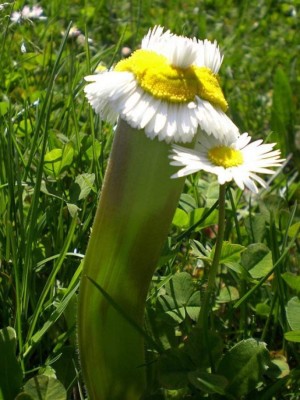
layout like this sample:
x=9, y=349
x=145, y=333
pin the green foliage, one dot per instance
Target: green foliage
x=293, y=313
x=244, y=366
x=293, y=281
x=257, y=260
x=43, y=387
x=209, y=383
x=187, y=364
x=180, y=298
x=282, y=114
x=53, y=154
x=11, y=371
x=293, y=336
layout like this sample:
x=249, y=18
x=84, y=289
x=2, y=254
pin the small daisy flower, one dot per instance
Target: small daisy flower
x=16, y=16
x=23, y=48
x=28, y=13
x=3, y=5
x=169, y=87
x=77, y=36
x=239, y=160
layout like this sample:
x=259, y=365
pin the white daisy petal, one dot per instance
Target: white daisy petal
x=243, y=140
x=249, y=183
x=258, y=179
x=147, y=92
x=215, y=121
x=237, y=160
x=161, y=118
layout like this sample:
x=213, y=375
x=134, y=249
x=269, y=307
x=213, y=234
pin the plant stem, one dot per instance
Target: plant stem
x=211, y=284
x=136, y=207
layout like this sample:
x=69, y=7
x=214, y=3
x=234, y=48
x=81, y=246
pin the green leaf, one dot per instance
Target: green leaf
x=212, y=194
x=173, y=367
x=67, y=156
x=85, y=182
x=169, y=305
x=271, y=204
x=24, y=128
x=278, y=368
x=243, y=366
x=231, y=253
x=47, y=371
x=73, y=209
x=42, y=387
x=256, y=226
x=180, y=218
x=293, y=313
x=3, y=108
x=11, y=372
x=196, y=215
x=177, y=314
x=293, y=281
x=292, y=336
x=180, y=298
x=193, y=306
x=262, y=309
x=94, y=151
x=52, y=161
x=197, y=345
x=187, y=202
x=227, y=294
x=180, y=288
x=67, y=376
x=294, y=230
x=236, y=267
x=208, y=383
x=60, y=307
x=24, y=396
x=57, y=159
x=257, y=259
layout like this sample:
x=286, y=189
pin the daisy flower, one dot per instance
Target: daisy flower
x=237, y=160
x=169, y=87
x=3, y=5
x=28, y=13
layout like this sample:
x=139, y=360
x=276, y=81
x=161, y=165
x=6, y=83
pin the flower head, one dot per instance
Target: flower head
x=77, y=36
x=3, y=5
x=28, y=13
x=169, y=88
x=237, y=160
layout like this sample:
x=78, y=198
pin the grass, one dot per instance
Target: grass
x=53, y=155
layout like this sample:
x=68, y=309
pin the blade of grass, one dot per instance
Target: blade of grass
x=41, y=128
x=60, y=308
x=50, y=280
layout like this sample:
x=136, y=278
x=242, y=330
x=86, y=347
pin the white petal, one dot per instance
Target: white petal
x=258, y=158
x=214, y=121
x=113, y=93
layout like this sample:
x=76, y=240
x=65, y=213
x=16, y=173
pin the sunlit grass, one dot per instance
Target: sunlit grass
x=53, y=154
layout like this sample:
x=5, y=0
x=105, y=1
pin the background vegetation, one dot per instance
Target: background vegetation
x=53, y=154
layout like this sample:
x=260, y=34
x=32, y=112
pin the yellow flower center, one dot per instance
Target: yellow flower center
x=163, y=81
x=224, y=156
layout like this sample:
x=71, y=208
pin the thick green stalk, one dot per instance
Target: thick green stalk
x=134, y=214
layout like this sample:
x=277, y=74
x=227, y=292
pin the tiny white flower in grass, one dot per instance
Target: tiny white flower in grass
x=16, y=16
x=23, y=48
x=237, y=160
x=169, y=88
x=3, y=5
x=28, y=13
x=33, y=13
